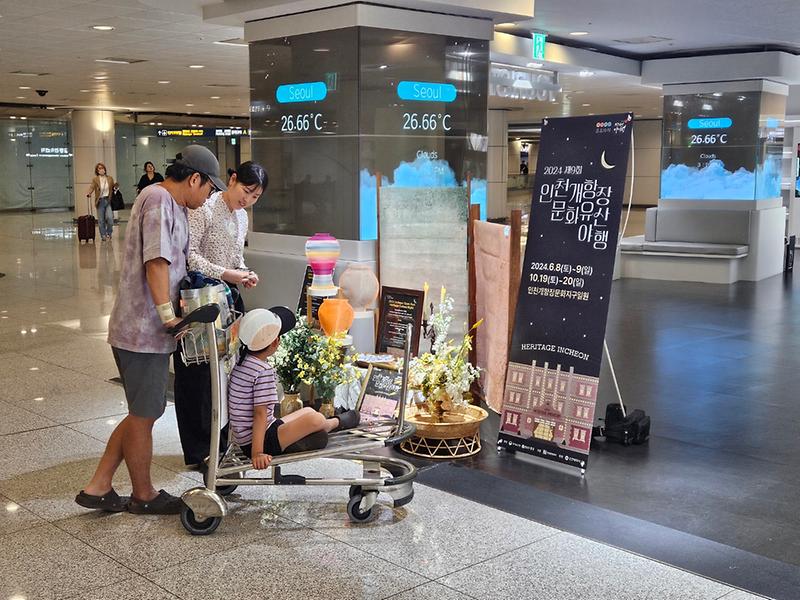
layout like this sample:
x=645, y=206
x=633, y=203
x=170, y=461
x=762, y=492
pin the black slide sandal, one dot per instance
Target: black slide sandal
x=163, y=504
x=109, y=502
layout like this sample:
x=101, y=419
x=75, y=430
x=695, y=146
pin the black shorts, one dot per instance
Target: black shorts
x=271, y=444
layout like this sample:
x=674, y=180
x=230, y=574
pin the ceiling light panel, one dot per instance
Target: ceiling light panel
x=120, y=61
x=640, y=41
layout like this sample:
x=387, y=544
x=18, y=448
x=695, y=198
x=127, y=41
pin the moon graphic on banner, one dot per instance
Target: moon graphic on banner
x=603, y=161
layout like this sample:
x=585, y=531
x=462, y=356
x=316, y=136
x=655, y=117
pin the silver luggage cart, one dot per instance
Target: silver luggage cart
x=204, y=507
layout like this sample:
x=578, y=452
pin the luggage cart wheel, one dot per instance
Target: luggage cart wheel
x=223, y=490
x=355, y=490
x=196, y=526
x=354, y=510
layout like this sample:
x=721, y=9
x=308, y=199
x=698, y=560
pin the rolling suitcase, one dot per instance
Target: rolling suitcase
x=86, y=226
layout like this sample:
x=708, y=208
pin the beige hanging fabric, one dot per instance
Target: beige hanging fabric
x=493, y=270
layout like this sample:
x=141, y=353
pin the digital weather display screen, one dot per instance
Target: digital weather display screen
x=336, y=115
x=721, y=146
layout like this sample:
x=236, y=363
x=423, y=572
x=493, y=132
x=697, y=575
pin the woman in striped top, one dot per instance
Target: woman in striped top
x=252, y=394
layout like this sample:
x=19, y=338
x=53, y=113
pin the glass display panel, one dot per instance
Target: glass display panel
x=331, y=110
x=422, y=115
x=304, y=129
x=722, y=146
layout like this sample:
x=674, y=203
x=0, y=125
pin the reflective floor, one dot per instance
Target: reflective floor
x=57, y=408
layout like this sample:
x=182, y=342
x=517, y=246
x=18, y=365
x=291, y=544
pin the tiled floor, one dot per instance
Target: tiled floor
x=57, y=408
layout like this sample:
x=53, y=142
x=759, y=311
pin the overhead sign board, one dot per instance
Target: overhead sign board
x=520, y=83
x=204, y=132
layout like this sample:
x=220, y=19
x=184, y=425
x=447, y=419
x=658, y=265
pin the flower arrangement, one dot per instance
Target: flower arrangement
x=296, y=346
x=325, y=365
x=444, y=374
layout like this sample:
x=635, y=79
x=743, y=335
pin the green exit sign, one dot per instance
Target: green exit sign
x=539, y=40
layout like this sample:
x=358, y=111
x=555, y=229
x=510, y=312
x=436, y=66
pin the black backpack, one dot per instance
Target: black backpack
x=626, y=430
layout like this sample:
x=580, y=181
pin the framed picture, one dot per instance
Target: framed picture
x=380, y=395
x=399, y=308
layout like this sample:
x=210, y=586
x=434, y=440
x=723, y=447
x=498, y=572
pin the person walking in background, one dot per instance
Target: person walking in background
x=217, y=232
x=149, y=178
x=102, y=186
x=156, y=248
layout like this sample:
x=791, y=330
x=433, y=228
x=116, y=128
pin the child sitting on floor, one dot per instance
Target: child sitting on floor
x=252, y=393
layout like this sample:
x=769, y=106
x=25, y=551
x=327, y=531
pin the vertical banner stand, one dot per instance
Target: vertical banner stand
x=614, y=377
x=619, y=239
x=555, y=358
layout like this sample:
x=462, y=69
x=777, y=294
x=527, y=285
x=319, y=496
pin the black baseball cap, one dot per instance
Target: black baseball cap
x=202, y=160
x=287, y=317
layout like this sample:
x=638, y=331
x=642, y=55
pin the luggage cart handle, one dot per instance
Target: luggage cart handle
x=404, y=385
x=205, y=314
x=402, y=434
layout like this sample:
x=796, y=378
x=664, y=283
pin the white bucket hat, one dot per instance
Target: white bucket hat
x=260, y=327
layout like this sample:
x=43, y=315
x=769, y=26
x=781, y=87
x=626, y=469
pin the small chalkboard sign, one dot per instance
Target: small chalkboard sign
x=316, y=301
x=398, y=309
x=381, y=393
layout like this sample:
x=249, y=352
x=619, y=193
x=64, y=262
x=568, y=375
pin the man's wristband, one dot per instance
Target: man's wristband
x=166, y=312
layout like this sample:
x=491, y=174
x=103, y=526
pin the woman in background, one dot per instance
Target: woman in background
x=102, y=187
x=149, y=178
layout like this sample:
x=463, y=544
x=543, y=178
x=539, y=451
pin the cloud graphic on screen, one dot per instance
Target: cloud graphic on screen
x=423, y=172
x=768, y=182
x=715, y=182
x=368, y=208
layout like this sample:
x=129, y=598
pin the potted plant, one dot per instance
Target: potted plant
x=450, y=427
x=296, y=346
x=444, y=375
x=325, y=366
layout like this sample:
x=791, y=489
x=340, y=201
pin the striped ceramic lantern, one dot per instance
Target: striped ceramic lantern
x=322, y=251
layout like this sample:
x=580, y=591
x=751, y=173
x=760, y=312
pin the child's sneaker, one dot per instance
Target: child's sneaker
x=348, y=419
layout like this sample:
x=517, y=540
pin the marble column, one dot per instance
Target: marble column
x=92, y=142
x=497, y=166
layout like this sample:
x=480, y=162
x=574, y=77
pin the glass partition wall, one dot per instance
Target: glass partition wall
x=36, y=160
x=136, y=144
x=35, y=165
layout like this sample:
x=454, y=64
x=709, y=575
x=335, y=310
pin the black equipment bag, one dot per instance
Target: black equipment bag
x=788, y=263
x=117, y=201
x=626, y=430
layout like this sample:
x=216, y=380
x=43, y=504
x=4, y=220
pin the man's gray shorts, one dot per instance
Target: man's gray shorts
x=144, y=377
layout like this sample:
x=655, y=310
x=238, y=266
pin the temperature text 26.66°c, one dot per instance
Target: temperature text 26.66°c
x=709, y=138
x=426, y=121
x=301, y=123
